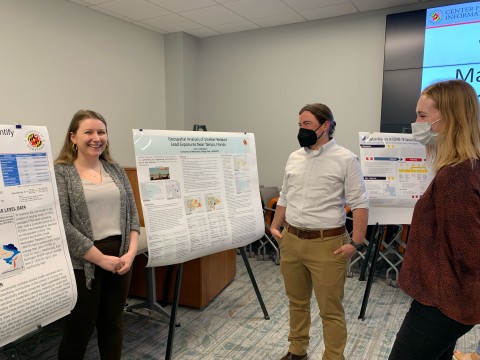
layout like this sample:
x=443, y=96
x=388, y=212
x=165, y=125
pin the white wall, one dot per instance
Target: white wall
x=57, y=57
x=181, y=76
x=257, y=81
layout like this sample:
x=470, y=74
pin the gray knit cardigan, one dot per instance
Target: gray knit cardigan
x=76, y=220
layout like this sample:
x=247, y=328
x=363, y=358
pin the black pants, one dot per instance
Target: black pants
x=101, y=308
x=427, y=334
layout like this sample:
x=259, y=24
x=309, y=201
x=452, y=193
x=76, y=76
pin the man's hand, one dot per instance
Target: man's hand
x=276, y=233
x=347, y=251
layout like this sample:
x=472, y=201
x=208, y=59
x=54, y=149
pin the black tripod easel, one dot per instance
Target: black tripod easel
x=173, y=314
x=254, y=283
x=152, y=304
x=176, y=295
x=373, y=245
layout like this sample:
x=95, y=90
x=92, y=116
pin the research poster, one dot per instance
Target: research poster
x=396, y=175
x=37, y=284
x=199, y=191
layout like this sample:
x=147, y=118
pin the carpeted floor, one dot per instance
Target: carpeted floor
x=232, y=326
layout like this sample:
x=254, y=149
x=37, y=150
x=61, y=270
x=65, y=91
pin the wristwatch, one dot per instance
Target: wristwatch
x=358, y=247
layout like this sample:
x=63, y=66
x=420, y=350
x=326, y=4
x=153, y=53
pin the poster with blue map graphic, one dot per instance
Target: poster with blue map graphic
x=11, y=258
x=37, y=285
x=396, y=174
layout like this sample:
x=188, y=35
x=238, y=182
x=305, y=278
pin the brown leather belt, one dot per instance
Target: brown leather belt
x=314, y=234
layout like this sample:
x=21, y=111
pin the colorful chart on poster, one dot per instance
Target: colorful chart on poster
x=396, y=174
x=37, y=284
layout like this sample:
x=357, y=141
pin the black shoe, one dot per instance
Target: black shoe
x=291, y=356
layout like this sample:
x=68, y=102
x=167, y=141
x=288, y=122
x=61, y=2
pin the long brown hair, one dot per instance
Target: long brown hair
x=68, y=154
x=457, y=101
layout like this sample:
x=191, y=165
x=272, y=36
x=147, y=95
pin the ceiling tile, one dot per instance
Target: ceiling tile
x=312, y=4
x=108, y=12
x=183, y=5
x=235, y=27
x=202, y=32
x=171, y=23
x=204, y=18
x=153, y=28
x=277, y=20
x=368, y=5
x=253, y=9
x=80, y=2
x=134, y=9
x=329, y=11
x=214, y=15
x=96, y=2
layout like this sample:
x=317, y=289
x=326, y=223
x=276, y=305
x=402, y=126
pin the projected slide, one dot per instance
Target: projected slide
x=452, y=44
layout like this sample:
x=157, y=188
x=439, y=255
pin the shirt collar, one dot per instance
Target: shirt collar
x=323, y=148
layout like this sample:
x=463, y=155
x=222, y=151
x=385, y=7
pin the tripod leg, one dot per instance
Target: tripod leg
x=173, y=315
x=254, y=283
x=166, y=289
x=377, y=241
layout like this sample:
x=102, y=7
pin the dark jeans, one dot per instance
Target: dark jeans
x=101, y=307
x=427, y=334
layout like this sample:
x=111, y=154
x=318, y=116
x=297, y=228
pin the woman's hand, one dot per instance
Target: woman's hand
x=129, y=256
x=127, y=261
x=110, y=263
x=106, y=262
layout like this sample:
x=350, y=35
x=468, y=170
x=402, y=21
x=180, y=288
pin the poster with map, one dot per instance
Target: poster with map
x=37, y=284
x=199, y=192
x=396, y=175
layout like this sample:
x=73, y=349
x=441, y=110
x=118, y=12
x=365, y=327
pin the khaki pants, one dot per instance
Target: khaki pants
x=307, y=265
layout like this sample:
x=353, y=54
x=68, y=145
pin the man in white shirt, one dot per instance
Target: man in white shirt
x=321, y=178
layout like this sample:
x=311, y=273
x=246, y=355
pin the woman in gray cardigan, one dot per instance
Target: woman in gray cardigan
x=101, y=225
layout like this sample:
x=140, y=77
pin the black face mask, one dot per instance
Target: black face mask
x=307, y=137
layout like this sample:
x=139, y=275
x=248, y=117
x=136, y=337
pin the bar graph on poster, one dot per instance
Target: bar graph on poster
x=396, y=174
x=199, y=192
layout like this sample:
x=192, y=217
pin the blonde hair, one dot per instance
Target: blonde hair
x=68, y=154
x=459, y=140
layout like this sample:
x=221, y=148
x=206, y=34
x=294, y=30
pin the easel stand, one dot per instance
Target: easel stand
x=153, y=305
x=151, y=302
x=254, y=283
x=176, y=295
x=173, y=314
x=373, y=245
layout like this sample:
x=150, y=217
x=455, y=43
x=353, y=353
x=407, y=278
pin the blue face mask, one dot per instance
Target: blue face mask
x=423, y=133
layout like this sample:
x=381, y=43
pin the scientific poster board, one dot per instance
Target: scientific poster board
x=37, y=283
x=396, y=175
x=199, y=192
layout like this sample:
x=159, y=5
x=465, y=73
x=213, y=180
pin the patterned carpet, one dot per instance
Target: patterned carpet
x=232, y=326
